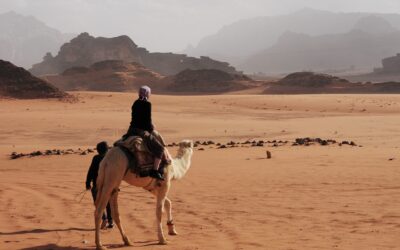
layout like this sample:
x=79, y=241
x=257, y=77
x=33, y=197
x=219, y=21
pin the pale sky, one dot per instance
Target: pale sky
x=170, y=25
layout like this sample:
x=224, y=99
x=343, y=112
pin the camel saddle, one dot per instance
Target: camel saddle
x=141, y=160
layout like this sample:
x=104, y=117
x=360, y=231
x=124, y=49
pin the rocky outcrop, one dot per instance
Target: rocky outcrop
x=207, y=81
x=311, y=83
x=111, y=75
x=390, y=65
x=16, y=82
x=310, y=79
x=85, y=50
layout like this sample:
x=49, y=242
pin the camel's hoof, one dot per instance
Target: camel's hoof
x=127, y=242
x=163, y=242
x=173, y=233
x=101, y=248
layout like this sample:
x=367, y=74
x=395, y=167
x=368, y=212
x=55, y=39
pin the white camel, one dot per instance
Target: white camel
x=113, y=170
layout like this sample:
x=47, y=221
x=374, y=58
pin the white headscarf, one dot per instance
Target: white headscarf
x=144, y=92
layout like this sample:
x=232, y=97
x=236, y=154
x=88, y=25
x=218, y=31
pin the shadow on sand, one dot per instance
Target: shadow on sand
x=40, y=231
x=54, y=247
x=110, y=246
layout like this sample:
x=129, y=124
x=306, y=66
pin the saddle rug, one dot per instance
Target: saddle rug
x=141, y=160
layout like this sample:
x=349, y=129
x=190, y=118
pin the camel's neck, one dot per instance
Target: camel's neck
x=181, y=164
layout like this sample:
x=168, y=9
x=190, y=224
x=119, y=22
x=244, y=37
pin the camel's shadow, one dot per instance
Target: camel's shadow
x=54, y=247
x=39, y=231
x=111, y=246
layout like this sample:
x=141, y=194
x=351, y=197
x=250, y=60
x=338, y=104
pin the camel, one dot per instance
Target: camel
x=113, y=170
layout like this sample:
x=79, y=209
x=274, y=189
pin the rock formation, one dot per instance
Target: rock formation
x=16, y=82
x=390, y=65
x=310, y=79
x=111, y=75
x=84, y=50
x=311, y=83
x=207, y=81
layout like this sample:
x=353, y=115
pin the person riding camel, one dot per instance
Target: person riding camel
x=142, y=125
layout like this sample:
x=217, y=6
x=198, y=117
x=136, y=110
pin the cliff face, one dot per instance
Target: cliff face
x=85, y=50
x=16, y=82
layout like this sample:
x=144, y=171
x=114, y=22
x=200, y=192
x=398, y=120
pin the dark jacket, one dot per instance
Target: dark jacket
x=141, y=117
x=93, y=171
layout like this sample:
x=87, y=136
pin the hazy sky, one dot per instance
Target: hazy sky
x=170, y=25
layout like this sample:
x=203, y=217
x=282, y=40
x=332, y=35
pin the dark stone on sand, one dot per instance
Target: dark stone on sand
x=36, y=153
x=222, y=146
x=201, y=149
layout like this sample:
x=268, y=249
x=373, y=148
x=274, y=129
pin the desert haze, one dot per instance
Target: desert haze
x=282, y=119
x=304, y=197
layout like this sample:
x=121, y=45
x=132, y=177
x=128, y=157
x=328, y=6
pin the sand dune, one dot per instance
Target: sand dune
x=312, y=197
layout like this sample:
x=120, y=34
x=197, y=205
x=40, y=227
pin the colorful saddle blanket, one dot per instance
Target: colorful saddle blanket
x=141, y=160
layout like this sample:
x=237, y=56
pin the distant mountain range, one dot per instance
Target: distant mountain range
x=24, y=39
x=307, y=39
x=361, y=48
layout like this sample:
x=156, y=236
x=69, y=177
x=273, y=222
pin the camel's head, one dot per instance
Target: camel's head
x=185, y=146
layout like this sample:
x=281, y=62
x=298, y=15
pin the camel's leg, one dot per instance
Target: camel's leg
x=115, y=215
x=170, y=223
x=159, y=208
x=101, y=203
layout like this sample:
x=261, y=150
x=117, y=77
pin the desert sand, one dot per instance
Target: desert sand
x=315, y=197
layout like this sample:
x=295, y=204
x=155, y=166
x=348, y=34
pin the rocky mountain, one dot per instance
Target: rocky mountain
x=111, y=75
x=24, y=39
x=361, y=48
x=84, y=50
x=235, y=42
x=16, y=82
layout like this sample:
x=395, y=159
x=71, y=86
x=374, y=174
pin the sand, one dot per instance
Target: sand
x=312, y=197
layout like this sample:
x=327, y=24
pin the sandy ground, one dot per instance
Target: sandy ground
x=303, y=198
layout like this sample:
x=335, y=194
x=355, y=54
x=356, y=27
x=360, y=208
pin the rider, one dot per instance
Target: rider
x=142, y=125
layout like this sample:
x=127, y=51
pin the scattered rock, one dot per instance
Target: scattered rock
x=269, y=155
x=201, y=149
